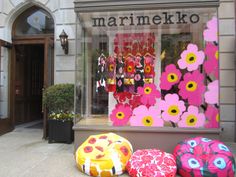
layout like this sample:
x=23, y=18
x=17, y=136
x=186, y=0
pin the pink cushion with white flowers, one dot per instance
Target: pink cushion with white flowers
x=204, y=157
x=151, y=163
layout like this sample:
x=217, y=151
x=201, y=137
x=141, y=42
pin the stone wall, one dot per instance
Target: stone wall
x=227, y=68
x=64, y=18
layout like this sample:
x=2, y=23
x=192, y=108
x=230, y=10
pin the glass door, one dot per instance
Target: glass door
x=5, y=117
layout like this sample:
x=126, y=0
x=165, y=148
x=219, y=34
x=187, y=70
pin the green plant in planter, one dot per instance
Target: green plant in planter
x=59, y=100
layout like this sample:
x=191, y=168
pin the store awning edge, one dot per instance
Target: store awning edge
x=115, y=5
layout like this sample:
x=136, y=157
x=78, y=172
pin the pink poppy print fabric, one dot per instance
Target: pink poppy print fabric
x=203, y=157
x=151, y=163
x=184, y=93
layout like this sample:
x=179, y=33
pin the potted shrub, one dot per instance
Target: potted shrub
x=59, y=101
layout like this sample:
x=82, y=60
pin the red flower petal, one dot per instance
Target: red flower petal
x=124, y=150
x=103, y=137
x=99, y=148
x=88, y=149
x=92, y=140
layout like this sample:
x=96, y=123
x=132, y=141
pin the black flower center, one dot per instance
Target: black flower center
x=191, y=59
x=190, y=85
x=193, y=162
x=173, y=111
x=191, y=120
x=172, y=76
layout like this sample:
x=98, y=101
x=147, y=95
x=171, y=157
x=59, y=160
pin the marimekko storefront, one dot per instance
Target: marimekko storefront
x=148, y=71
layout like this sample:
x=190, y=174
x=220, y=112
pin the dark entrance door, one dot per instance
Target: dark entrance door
x=29, y=78
x=31, y=64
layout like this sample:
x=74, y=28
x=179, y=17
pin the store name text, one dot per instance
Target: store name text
x=139, y=20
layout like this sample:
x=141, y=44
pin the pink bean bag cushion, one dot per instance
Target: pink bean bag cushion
x=203, y=157
x=151, y=163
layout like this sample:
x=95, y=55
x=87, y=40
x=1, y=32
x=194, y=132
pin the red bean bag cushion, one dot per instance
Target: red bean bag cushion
x=151, y=163
x=204, y=157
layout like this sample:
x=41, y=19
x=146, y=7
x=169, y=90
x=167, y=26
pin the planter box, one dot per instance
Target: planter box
x=60, y=131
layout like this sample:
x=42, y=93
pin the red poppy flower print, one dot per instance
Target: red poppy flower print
x=149, y=93
x=122, y=96
x=192, y=88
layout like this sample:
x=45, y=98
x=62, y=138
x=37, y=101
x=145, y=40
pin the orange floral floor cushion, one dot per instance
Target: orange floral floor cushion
x=151, y=163
x=103, y=155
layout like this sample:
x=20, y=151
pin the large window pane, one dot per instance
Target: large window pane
x=150, y=68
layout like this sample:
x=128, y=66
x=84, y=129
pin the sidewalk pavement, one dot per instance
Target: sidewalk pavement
x=23, y=153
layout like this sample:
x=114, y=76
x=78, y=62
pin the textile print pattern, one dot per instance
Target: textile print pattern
x=204, y=157
x=187, y=94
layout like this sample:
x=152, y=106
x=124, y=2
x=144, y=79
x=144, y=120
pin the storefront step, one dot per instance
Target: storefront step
x=165, y=138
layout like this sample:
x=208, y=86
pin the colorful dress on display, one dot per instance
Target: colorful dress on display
x=101, y=73
x=139, y=72
x=111, y=74
x=119, y=74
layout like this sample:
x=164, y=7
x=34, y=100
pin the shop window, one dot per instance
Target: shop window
x=150, y=68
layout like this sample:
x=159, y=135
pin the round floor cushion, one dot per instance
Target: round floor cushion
x=151, y=163
x=103, y=155
x=203, y=157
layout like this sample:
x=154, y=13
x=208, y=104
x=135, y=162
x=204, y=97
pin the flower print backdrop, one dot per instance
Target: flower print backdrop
x=191, y=58
x=121, y=114
x=192, y=118
x=143, y=116
x=170, y=77
x=192, y=88
x=186, y=93
x=172, y=108
x=211, y=64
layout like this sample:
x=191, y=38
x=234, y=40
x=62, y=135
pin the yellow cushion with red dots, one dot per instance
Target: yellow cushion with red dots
x=104, y=155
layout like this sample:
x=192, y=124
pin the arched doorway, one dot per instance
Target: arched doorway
x=32, y=64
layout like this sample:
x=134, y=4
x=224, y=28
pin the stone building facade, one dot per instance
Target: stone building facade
x=64, y=69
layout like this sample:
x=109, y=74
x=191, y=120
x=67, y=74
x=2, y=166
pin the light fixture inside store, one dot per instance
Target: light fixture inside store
x=64, y=41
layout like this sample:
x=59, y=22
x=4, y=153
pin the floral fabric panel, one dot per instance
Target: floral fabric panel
x=204, y=157
x=103, y=155
x=152, y=163
x=186, y=94
x=132, y=64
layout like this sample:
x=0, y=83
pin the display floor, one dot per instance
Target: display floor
x=102, y=120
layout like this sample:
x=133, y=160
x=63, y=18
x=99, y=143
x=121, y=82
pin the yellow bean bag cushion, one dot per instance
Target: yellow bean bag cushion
x=104, y=155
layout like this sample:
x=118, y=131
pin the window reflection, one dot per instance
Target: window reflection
x=34, y=21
